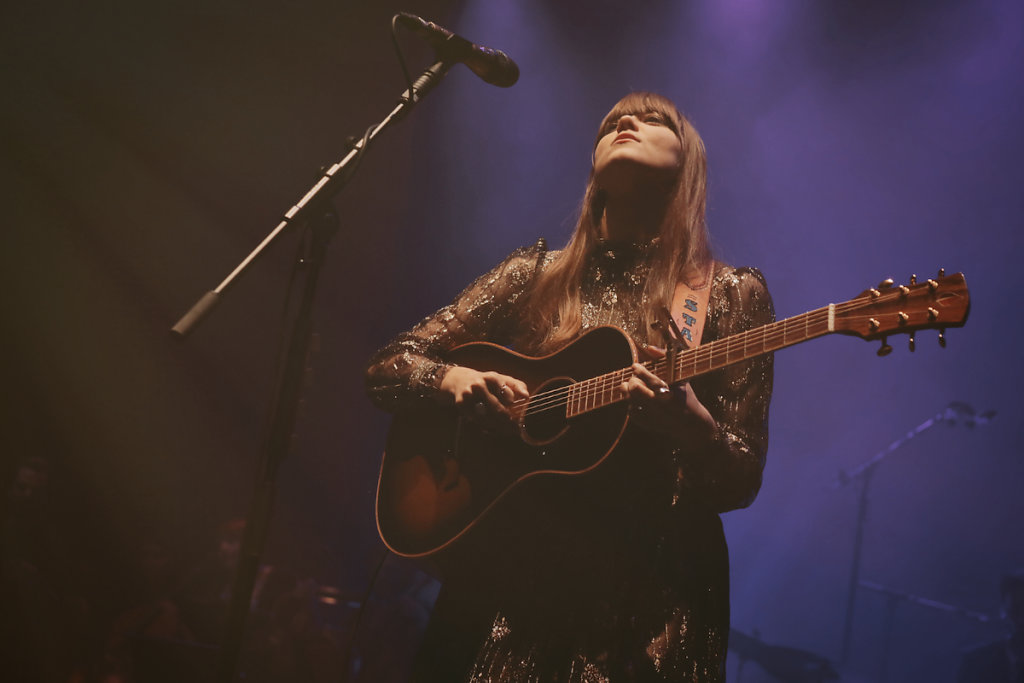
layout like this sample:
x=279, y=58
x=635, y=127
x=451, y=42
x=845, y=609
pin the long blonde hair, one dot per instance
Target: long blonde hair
x=553, y=310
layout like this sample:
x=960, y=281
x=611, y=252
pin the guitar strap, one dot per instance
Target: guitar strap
x=690, y=309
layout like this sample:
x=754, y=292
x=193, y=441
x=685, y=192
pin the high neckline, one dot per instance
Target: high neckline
x=609, y=246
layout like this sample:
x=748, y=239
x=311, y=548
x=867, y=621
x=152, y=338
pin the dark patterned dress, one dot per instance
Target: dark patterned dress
x=620, y=574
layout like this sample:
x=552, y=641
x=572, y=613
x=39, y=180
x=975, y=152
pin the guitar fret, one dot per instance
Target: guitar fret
x=600, y=391
x=597, y=392
x=746, y=345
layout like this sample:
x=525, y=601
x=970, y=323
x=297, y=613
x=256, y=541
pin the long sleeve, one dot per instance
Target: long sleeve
x=728, y=476
x=410, y=367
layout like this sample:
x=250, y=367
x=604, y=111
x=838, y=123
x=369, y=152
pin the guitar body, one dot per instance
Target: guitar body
x=441, y=473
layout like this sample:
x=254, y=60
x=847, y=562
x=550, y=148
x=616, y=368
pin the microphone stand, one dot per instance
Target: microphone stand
x=315, y=210
x=332, y=181
x=954, y=411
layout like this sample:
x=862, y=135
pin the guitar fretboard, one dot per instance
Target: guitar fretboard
x=597, y=392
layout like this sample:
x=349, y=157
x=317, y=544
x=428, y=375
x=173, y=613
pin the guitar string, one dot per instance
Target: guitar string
x=703, y=354
x=772, y=333
x=598, y=387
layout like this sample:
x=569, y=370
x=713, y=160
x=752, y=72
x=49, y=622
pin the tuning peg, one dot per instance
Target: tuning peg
x=913, y=279
x=913, y=344
x=885, y=350
x=942, y=337
x=942, y=272
x=886, y=283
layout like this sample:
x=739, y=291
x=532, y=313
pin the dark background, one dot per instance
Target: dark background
x=148, y=147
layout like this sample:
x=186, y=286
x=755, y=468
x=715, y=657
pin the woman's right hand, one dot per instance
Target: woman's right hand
x=485, y=396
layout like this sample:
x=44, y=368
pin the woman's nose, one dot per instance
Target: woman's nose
x=627, y=122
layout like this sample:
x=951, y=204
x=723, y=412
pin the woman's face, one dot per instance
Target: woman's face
x=636, y=147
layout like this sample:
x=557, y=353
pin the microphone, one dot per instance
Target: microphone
x=493, y=66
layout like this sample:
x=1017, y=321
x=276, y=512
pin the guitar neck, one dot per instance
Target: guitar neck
x=597, y=392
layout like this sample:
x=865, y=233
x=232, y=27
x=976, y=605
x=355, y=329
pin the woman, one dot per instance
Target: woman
x=620, y=574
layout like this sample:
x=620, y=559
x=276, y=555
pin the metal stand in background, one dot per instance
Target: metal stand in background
x=315, y=211
x=787, y=664
x=892, y=600
x=954, y=412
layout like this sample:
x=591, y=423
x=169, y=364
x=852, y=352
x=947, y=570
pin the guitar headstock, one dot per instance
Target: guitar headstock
x=895, y=309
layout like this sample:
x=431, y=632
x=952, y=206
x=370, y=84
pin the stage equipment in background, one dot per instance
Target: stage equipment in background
x=956, y=412
x=894, y=597
x=441, y=473
x=786, y=664
x=315, y=212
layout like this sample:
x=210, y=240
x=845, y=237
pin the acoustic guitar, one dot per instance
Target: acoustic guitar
x=441, y=473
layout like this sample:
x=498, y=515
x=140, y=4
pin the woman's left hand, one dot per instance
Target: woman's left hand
x=675, y=411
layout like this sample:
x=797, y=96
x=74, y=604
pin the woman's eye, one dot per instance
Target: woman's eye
x=655, y=119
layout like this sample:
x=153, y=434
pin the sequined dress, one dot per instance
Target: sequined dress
x=620, y=574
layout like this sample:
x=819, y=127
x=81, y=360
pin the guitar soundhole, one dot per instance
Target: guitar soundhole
x=544, y=419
